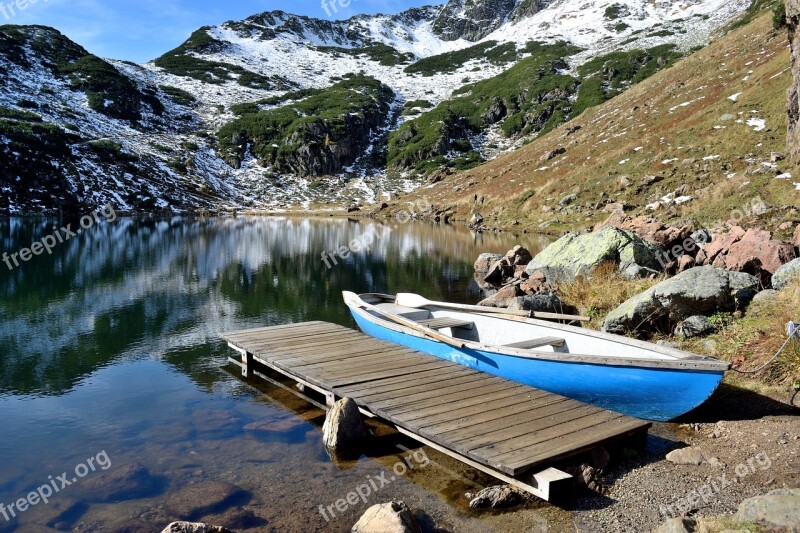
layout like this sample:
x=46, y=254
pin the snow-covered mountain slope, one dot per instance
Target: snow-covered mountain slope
x=164, y=151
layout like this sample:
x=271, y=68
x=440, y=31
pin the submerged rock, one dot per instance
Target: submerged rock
x=778, y=510
x=392, y=517
x=578, y=255
x=200, y=499
x=128, y=482
x=704, y=290
x=343, y=427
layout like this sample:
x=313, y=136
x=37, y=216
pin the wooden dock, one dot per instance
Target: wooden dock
x=506, y=429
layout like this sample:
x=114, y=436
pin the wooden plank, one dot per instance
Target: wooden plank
x=402, y=382
x=372, y=376
x=356, y=369
x=446, y=401
x=492, y=418
x=316, y=354
x=471, y=407
x=445, y=322
x=473, y=437
x=289, y=329
x=426, y=390
x=514, y=440
x=536, y=343
x=359, y=362
x=297, y=342
x=467, y=387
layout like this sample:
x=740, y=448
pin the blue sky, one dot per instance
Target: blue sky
x=142, y=30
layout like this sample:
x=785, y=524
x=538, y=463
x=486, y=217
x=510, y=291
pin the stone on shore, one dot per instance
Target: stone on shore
x=343, y=427
x=786, y=274
x=694, y=326
x=392, y=517
x=778, y=510
x=502, y=298
x=544, y=302
x=700, y=290
x=676, y=525
x=194, y=527
x=499, y=497
x=687, y=456
x=485, y=261
x=576, y=255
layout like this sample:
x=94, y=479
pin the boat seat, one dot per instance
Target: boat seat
x=536, y=343
x=445, y=322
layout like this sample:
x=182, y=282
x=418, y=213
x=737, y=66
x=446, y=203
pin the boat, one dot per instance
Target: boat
x=622, y=374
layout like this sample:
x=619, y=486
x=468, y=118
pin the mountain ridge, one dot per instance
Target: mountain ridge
x=170, y=158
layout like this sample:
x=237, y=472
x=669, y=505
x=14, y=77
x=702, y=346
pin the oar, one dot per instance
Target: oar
x=353, y=300
x=407, y=299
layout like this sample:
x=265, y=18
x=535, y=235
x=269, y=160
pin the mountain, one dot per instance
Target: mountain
x=279, y=110
x=703, y=141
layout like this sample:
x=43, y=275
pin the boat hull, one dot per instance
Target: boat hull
x=648, y=393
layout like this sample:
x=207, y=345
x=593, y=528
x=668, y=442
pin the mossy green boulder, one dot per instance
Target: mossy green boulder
x=576, y=255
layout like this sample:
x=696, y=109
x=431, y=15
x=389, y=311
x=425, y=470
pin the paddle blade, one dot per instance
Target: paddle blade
x=409, y=299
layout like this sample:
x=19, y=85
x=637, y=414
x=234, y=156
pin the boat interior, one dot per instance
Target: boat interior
x=517, y=335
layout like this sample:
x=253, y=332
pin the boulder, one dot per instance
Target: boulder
x=694, y=326
x=568, y=200
x=499, y=497
x=786, y=274
x=544, y=301
x=194, y=527
x=719, y=244
x=485, y=261
x=778, y=510
x=756, y=251
x=796, y=239
x=499, y=271
x=687, y=456
x=765, y=296
x=392, y=517
x=705, y=290
x=502, y=298
x=578, y=255
x=519, y=255
x=476, y=219
x=343, y=427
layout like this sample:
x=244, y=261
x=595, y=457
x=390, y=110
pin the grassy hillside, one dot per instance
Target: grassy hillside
x=696, y=127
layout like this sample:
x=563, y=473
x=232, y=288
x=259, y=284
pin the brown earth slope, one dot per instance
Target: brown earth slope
x=712, y=127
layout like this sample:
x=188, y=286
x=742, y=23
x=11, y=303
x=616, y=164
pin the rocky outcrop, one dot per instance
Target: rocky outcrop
x=544, y=301
x=786, y=274
x=578, y=255
x=392, y=517
x=509, y=266
x=793, y=137
x=499, y=497
x=343, y=427
x=700, y=290
x=778, y=510
x=194, y=527
x=652, y=231
x=472, y=21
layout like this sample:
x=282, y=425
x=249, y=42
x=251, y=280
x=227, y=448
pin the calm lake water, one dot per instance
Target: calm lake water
x=109, y=351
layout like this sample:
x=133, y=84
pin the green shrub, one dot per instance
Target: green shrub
x=452, y=61
x=179, y=96
x=27, y=104
x=779, y=16
x=614, y=11
x=18, y=114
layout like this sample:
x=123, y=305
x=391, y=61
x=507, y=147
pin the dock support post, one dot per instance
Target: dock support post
x=248, y=368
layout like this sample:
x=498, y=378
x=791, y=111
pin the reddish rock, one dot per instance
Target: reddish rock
x=648, y=229
x=519, y=256
x=721, y=243
x=502, y=298
x=756, y=252
x=499, y=271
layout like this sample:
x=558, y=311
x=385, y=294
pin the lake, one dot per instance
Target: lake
x=112, y=393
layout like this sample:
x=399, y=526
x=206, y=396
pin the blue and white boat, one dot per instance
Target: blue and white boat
x=626, y=375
